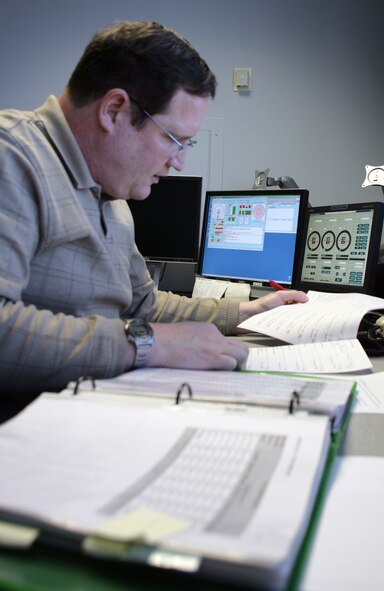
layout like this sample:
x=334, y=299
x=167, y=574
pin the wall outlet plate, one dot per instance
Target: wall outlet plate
x=242, y=79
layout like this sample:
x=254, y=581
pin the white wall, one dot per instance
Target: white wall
x=315, y=112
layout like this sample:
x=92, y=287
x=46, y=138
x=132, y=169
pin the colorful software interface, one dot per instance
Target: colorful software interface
x=250, y=236
x=337, y=246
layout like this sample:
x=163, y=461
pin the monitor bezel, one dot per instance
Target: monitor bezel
x=368, y=286
x=304, y=196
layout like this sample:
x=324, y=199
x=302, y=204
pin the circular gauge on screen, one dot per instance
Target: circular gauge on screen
x=313, y=241
x=343, y=240
x=328, y=240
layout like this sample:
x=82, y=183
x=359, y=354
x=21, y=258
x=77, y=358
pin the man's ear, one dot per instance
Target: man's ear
x=112, y=104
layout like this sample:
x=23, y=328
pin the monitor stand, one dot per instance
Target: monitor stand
x=175, y=276
x=155, y=269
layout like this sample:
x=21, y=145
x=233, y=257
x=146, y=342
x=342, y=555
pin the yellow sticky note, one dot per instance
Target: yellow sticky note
x=17, y=536
x=145, y=524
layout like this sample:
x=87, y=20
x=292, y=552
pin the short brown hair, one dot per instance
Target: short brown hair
x=151, y=62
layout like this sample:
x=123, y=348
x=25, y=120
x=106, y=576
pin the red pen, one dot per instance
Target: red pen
x=276, y=286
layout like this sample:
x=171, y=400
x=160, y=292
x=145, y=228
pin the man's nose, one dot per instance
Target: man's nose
x=177, y=160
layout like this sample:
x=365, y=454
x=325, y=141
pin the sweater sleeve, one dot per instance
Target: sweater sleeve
x=173, y=308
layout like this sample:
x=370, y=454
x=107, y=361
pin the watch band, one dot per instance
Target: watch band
x=140, y=334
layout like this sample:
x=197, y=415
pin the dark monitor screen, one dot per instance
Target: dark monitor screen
x=252, y=235
x=167, y=223
x=340, y=248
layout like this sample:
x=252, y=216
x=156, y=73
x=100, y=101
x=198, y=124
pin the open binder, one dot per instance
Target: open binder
x=271, y=391
x=223, y=491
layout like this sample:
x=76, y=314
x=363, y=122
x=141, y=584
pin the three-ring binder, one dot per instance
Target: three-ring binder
x=294, y=402
x=82, y=379
x=184, y=386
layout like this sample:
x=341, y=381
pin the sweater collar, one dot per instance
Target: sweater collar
x=65, y=144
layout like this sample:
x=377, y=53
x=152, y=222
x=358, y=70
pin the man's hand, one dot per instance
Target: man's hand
x=195, y=345
x=270, y=301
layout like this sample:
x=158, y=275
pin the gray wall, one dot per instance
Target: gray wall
x=316, y=109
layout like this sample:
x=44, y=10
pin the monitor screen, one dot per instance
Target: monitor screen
x=167, y=223
x=340, y=248
x=251, y=235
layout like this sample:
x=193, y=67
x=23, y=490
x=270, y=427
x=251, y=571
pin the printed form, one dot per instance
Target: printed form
x=324, y=357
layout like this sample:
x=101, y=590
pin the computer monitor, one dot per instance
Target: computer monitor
x=252, y=236
x=167, y=223
x=340, y=248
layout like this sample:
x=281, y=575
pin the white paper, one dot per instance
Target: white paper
x=77, y=464
x=238, y=291
x=325, y=317
x=326, y=357
x=209, y=288
x=347, y=553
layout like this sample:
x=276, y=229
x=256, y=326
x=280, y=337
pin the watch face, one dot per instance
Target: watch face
x=140, y=329
x=140, y=334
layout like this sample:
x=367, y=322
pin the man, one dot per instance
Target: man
x=76, y=297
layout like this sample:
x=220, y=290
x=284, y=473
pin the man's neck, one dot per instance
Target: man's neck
x=82, y=122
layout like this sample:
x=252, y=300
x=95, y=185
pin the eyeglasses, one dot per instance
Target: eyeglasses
x=181, y=146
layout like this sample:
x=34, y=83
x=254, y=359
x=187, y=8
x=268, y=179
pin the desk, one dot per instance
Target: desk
x=348, y=557
x=45, y=569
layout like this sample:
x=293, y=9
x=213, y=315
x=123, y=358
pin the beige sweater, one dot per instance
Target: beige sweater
x=69, y=268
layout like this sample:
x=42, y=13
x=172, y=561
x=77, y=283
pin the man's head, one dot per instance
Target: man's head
x=148, y=60
x=134, y=101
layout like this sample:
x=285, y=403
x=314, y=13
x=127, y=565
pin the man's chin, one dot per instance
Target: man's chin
x=143, y=192
x=139, y=195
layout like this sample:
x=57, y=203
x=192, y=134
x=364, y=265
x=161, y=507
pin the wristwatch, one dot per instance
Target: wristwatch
x=140, y=334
